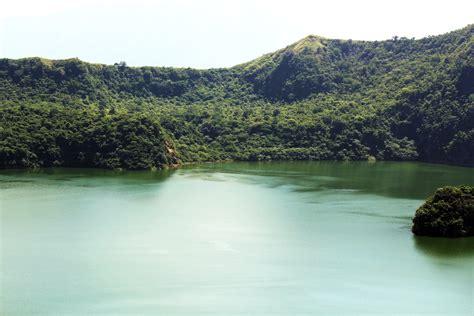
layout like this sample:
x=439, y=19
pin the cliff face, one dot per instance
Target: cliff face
x=172, y=156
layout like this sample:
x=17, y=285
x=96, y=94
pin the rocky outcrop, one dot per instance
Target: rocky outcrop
x=448, y=213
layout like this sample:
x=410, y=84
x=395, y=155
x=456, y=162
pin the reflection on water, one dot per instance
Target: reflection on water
x=403, y=180
x=78, y=177
x=445, y=247
x=287, y=238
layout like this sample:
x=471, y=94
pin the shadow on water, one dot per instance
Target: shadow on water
x=81, y=177
x=445, y=247
x=409, y=180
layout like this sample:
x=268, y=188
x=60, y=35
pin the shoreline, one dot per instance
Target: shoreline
x=185, y=164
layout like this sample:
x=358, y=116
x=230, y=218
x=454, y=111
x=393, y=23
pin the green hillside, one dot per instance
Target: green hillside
x=399, y=99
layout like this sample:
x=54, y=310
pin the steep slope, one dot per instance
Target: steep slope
x=400, y=99
x=318, y=65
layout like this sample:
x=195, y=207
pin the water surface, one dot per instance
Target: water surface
x=293, y=238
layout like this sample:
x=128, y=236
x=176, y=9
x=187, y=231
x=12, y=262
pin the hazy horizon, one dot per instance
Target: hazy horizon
x=207, y=34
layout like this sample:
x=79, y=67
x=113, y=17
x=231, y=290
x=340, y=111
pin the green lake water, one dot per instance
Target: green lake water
x=290, y=238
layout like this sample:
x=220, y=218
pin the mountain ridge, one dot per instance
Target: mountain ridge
x=317, y=98
x=308, y=37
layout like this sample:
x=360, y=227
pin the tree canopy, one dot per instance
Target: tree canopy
x=448, y=213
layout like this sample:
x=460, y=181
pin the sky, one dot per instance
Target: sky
x=208, y=33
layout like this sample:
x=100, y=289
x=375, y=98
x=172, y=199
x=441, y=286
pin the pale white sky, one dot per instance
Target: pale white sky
x=208, y=33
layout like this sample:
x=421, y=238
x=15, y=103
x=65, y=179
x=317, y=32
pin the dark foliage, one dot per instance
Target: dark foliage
x=47, y=135
x=449, y=213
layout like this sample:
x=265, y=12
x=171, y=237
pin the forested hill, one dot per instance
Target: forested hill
x=399, y=99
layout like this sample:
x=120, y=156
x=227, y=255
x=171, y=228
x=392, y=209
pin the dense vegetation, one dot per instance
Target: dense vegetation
x=400, y=99
x=449, y=213
x=52, y=135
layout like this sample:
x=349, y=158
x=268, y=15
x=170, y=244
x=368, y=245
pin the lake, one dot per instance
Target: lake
x=281, y=238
